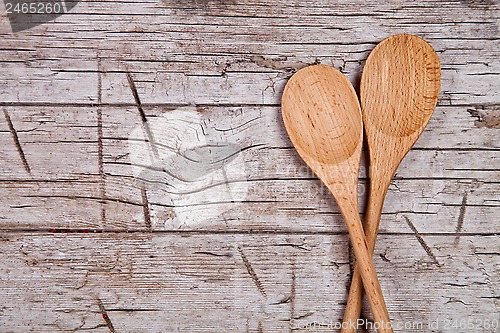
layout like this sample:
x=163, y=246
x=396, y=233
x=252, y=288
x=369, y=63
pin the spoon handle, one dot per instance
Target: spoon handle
x=378, y=191
x=367, y=273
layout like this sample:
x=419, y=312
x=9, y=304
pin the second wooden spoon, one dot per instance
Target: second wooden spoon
x=399, y=91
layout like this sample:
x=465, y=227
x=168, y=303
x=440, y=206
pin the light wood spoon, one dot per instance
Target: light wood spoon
x=322, y=116
x=399, y=91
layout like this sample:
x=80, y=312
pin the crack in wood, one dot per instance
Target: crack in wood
x=144, y=120
x=76, y=197
x=283, y=301
x=455, y=300
x=100, y=147
x=487, y=253
x=384, y=256
x=16, y=141
x=79, y=327
x=295, y=246
x=485, y=273
x=145, y=208
x=105, y=316
x=85, y=281
x=227, y=255
x=148, y=105
x=461, y=217
x=233, y=232
x=96, y=327
x=422, y=242
x=252, y=273
x=305, y=315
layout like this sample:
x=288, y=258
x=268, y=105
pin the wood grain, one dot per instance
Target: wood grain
x=198, y=282
x=231, y=60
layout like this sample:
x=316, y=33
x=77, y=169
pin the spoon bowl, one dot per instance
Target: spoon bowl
x=399, y=87
x=316, y=98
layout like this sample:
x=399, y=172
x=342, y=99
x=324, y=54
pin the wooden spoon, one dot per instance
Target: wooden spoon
x=399, y=91
x=322, y=116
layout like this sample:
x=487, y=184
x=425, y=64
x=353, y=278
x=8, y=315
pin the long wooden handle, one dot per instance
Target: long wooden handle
x=372, y=222
x=367, y=269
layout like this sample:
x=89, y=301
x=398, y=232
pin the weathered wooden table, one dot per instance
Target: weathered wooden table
x=113, y=219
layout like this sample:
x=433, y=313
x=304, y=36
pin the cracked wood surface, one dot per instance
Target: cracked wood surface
x=212, y=282
x=87, y=246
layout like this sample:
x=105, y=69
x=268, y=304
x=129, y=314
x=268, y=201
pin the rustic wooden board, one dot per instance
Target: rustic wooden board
x=87, y=246
x=232, y=282
x=60, y=146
